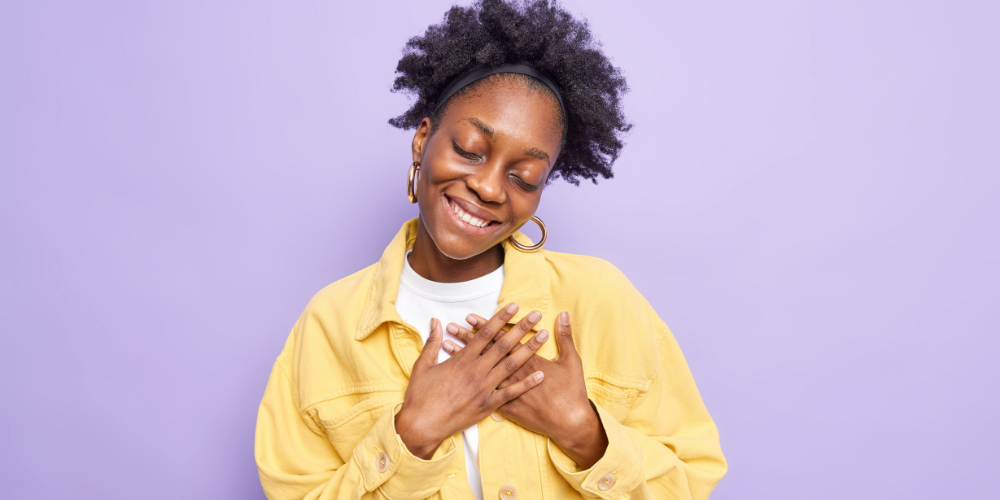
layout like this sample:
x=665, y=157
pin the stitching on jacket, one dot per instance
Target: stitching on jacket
x=303, y=414
x=362, y=407
x=631, y=383
x=358, y=389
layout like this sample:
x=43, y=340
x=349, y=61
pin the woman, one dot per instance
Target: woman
x=432, y=372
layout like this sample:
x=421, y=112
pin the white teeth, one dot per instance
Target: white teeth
x=468, y=219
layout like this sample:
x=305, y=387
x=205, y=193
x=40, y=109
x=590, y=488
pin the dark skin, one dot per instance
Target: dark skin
x=489, y=157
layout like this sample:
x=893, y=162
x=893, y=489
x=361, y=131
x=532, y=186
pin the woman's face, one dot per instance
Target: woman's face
x=483, y=170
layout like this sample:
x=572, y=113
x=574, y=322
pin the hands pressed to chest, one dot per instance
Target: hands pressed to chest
x=496, y=372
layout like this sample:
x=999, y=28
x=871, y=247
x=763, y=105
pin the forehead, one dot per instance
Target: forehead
x=513, y=105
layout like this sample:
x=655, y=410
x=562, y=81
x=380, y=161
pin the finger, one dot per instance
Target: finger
x=460, y=332
x=564, y=339
x=512, y=351
x=504, y=344
x=428, y=356
x=516, y=348
x=512, y=363
x=465, y=335
x=529, y=366
x=525, y=370
x=485, y=333
x=475, y=319
x=451, y=347
x=502, y=396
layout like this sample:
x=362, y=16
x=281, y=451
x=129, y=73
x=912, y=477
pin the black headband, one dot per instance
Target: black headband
x=477, y=74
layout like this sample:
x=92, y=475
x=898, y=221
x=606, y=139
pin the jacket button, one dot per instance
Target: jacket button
x=508, y=492
x=498, y=417
x=606, y=482
x=382, y=462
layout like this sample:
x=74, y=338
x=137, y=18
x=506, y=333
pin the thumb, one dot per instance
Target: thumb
x=429, y=356
x=564, y=338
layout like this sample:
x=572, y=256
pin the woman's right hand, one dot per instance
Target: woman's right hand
x=446, y=398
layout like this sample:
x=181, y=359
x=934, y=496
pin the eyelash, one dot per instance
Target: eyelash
x=472, y=157
x=465, y=154
x=525, y=185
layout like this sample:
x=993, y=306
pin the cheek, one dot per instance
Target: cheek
x=430, y=200
x=524, y=206
x=439, y=167
x=427, y=197
x=429, y=188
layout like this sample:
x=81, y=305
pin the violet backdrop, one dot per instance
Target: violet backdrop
x=809, y=199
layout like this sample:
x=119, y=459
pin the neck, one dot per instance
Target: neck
x=428, y=261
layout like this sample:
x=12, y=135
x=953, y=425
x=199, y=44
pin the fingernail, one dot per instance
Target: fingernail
x=452, y=329
x=512, y=308
x=448, y=346
x=542, y=336
x=470, y=319
x=539, y=376
x=534, y=316
x=564, y=318
x=434, y=323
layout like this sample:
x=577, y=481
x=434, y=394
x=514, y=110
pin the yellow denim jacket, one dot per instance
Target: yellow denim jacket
x=325, y=424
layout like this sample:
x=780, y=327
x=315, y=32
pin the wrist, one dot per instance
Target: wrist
x=584, y=440
x=418, y=442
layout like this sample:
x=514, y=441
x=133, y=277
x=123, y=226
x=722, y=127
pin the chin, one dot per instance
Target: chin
x=455, y=238
x=458, y=248
x=456, y=245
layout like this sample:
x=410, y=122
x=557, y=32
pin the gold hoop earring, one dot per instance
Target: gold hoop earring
x=411, y=191
x=537, y=246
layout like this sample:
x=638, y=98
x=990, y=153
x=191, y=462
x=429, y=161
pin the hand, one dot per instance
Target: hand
x=445, y=398
x=560, y=409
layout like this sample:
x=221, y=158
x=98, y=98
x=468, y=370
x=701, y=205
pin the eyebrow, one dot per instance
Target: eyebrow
x=533, y=152
x=481, y=126
x=537, y=153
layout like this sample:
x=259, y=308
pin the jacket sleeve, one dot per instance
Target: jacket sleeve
x=296, y=460
x=666, y=448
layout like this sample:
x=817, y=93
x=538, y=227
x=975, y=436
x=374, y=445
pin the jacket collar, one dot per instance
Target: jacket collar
x=525, y=281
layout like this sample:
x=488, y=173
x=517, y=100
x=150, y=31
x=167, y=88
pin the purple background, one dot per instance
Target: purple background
x=809, y=199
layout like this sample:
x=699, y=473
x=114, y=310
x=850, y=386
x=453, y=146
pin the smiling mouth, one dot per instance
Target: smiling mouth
x=469, y=219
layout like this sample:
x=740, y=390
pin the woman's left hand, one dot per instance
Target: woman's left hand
x=558, y=409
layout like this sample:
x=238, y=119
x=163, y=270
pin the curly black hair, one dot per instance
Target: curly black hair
x=541, y=33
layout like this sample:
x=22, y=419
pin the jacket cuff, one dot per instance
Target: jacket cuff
x=387, y=464
x=616, y=473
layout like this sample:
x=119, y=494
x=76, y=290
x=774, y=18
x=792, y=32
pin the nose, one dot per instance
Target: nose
x=487, y=183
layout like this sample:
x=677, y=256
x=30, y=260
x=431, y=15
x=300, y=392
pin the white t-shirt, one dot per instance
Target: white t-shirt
x=421, y=299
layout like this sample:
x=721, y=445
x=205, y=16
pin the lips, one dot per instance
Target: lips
x=462, y=215
x=469, y=219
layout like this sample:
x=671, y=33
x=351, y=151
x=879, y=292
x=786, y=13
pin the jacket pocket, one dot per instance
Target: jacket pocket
x=617, y=397
x=348, y=417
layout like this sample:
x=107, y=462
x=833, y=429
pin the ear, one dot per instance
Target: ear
x=420, y=138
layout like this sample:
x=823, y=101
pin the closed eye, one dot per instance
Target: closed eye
x=465, y=154
x=523, y=183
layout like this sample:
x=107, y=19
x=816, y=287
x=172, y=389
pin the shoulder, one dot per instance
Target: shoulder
x=339, y=296
x=331, y=316
x=589, y=278
x=577, y=261
x=615, y=328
